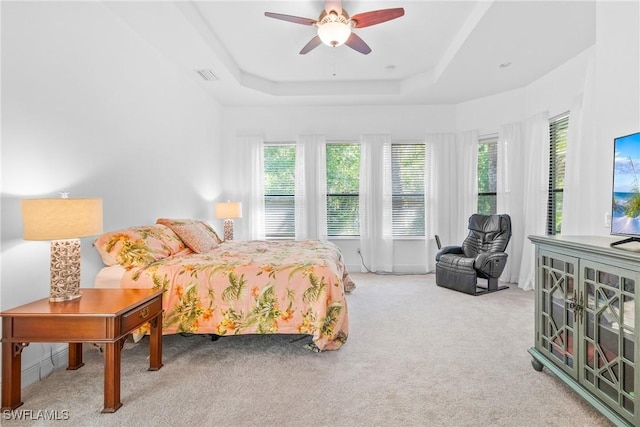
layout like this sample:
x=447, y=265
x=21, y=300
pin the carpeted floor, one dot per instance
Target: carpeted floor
x=417, y=355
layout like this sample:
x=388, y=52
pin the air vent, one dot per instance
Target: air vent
x=207, y=75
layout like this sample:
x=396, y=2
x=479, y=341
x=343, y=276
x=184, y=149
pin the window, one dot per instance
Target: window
x=407, y=184
x=343, y=186
x=279, y=190
x=487, y=175
x=558, y=127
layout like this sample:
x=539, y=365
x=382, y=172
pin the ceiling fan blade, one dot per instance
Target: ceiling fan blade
x=374, y=17
x=313, y=43
x=356, y=43
x=294, y=19
x=330, y=5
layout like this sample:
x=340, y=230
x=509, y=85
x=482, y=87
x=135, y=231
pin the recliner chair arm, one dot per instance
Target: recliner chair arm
x=449, y=250
x=491, y=263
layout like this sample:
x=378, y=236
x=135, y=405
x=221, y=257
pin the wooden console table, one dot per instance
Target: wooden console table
x=104, y=316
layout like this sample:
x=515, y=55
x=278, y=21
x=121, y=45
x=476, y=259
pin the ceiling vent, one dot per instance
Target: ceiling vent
x=207, y=75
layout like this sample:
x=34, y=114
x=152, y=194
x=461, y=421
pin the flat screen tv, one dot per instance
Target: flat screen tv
x=625, y=210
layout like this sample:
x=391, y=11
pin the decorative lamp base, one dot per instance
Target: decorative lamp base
x=65, y=270
x=228, y=229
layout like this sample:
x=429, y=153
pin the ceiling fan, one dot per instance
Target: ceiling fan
x=335, y=24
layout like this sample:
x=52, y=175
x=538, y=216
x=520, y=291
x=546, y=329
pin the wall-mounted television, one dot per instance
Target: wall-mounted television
x=625, y=209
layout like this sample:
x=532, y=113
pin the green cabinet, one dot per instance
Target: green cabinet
x=585, y=326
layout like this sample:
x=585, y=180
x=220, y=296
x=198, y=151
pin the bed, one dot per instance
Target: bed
x=232, y=287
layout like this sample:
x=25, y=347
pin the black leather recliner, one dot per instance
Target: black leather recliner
x=481, y=255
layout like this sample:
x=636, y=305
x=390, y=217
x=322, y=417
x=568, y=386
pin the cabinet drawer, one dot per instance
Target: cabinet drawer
x=141, y=314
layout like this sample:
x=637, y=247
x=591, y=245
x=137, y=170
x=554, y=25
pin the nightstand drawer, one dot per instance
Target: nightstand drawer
x=141, y=314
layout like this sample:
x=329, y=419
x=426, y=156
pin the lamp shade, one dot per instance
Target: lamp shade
x=229, y=210
x=334, y=33
x=54, y=219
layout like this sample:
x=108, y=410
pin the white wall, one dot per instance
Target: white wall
x=553, y=92
x=90, y=108
x=617, y=99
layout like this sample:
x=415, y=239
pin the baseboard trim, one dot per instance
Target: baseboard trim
x=399, y=269
x=53, y=357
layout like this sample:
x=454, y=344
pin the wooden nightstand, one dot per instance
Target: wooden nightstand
x=104, y=316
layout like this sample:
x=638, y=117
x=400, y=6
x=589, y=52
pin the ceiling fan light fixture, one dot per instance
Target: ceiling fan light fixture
x=334, y=25
x=334, y=33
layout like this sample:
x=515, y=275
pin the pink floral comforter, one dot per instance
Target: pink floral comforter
x=254, y=287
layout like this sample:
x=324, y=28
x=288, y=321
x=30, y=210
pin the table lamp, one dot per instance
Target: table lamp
x=228, y=211
x=62, y=221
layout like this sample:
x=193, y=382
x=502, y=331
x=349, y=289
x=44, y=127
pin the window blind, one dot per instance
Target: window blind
x=279, y=190
x=487, y=175
x=407, y=186
x=558, y=129
x=343, y=187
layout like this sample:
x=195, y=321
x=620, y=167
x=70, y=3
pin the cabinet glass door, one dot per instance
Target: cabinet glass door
x=555, y=332
x=607, y=357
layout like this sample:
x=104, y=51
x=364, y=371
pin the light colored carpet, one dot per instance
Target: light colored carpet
x=417, y=355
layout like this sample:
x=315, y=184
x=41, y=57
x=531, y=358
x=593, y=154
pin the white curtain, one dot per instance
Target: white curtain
x=510, y=196
x=321, y=182
x=443, y=185
x=376, y=234
x=451, y=177
x=430, y=212
x=535, y=191
x=467, y=173
x=310, y=198
x=250, y=178
x=580, y=161
x=572, y=205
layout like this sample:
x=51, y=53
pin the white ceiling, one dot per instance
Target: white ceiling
x=439, y=52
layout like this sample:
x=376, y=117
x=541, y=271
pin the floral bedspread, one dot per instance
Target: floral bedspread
x=254, y=287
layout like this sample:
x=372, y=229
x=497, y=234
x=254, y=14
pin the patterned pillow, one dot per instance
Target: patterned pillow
x=139, y=246
x=197, y=235
x=211, y=231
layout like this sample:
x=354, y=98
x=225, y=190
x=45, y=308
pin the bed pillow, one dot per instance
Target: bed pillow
x=139, y=246
x=210, y=231
x=197, y=235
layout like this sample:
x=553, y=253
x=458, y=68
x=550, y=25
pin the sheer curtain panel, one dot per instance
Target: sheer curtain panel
x=452, y=171
x=441, y=202
x=571, y=203
x=536, y=187
x=310, y=206
x=430, y=229
x=467, y=171
x=451, y=188
x=375, y=199
x=250, y=185
x=510, y=198
x=581, y=161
